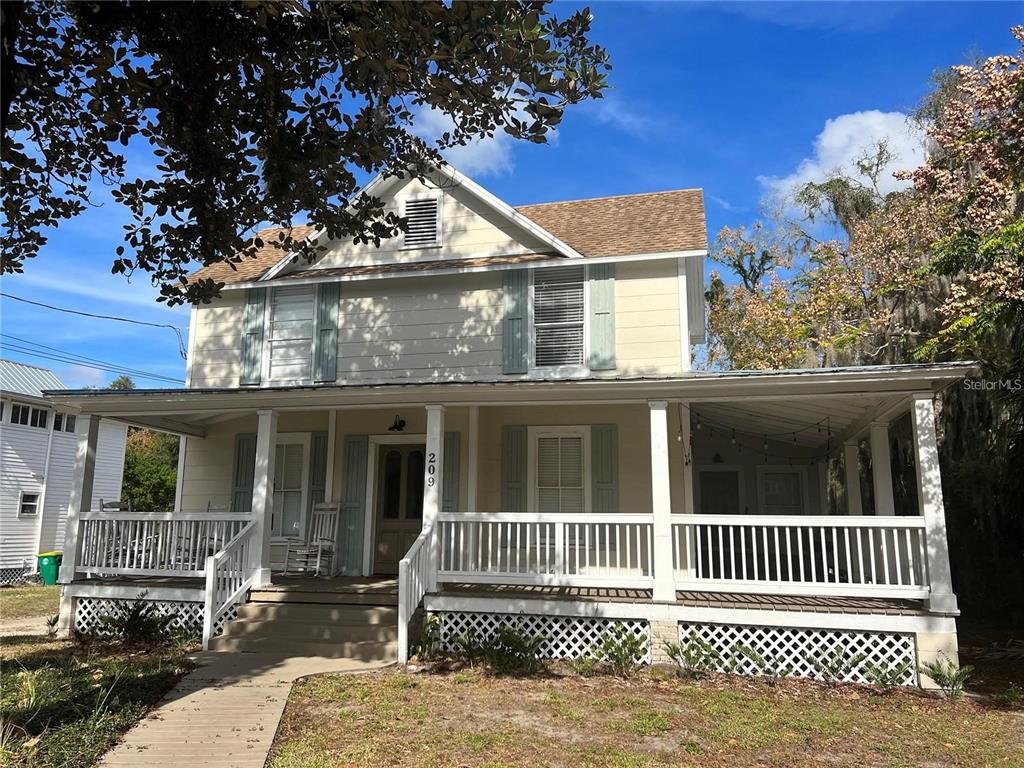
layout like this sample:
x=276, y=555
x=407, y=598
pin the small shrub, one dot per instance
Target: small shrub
x=429, y=641
x=695, y=658
x=836, y=666
x=51, y=626
x=585, y=666
x=767, y=667
x=886, y=676
x=512, y=650
x=468, y=648
x=948, y=676
x=1012, y=697
x=621, y=650
x=138, y=621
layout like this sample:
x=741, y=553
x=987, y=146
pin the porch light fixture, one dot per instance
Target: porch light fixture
x=398, y=426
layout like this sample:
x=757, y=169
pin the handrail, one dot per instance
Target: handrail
x=545, y=517
x=415, y=578
x=159, y=516
x=229, y=574
x=828, y=521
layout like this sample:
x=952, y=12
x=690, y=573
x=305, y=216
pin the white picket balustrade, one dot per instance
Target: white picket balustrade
x=415, y=577
x=555, y=549
x=153, y=544
x=229, y=574
x=801, y=555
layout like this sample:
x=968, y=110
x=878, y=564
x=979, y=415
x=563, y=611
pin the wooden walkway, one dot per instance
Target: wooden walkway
x=223, y=714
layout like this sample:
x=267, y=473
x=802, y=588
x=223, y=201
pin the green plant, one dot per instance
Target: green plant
x=886, y=676
x=621, y=649
x=695, y=658
x=429, y=640
x=948, y=676
x=468, y=648
x=585, y=666
x=763, y=666
x=1012, y=697
x=51, y=626
x=512, y=650
x=835, y=666
x=138, y=621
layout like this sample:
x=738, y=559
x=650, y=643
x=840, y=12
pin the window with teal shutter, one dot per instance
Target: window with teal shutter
x=604, y=461
x=252, y=336
x=515, y=339
x=353, y=505
x=325, y=367
x=602, y=317
x=450, y=479
x=244, y=468
x=513, y=469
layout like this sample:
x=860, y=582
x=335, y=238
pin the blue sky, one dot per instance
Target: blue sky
x=742, y=99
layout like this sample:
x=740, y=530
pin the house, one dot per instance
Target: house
x=37, y=455
x=500, y=403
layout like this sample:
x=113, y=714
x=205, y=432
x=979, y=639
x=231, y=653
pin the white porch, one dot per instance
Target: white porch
x=664, y=541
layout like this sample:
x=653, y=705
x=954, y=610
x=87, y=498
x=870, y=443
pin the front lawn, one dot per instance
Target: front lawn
x=27, y=602
x=65, y=704
x=393, y=718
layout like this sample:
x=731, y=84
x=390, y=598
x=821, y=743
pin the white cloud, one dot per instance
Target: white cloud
x=620, y=114
x=481, y=157
x=725, y=204
x=843, y=140
x=78, y=376
x=94, y=282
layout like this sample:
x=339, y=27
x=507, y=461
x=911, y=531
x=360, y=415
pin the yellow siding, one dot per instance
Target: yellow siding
x=647, y=338
x=217, y=341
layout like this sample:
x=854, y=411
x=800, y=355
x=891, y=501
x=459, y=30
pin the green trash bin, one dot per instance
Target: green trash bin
x=49, y=566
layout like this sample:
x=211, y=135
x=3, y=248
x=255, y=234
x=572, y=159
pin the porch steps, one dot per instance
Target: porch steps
x=354, y=624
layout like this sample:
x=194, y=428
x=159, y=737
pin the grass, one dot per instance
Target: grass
x=462, y=718
x=27, y=602
x=65, y=704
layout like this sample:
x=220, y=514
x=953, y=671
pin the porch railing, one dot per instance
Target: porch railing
x=818, y=555
x=415, y=577
x=549, y=549
x=229, y=574
x=153, y=544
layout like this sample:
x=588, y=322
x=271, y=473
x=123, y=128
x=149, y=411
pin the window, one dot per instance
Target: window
x=781, y=490
x=63, y=422
x=290, y=334
x=28, y=416
x=28, y=505
x=423, y=216
x=560, y=469
x=559, y=315
x=720, y=490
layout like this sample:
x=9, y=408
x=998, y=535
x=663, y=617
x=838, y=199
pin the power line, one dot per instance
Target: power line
x=176, y=329
x=60, y=356
x=77, y=358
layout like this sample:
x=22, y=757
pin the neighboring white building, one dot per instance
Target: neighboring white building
x=37, y=455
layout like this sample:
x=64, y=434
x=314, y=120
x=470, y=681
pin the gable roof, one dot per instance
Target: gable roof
x=656, y=222
x=28, y=380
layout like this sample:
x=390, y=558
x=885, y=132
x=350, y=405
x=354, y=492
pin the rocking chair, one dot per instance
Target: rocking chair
x=315, y=555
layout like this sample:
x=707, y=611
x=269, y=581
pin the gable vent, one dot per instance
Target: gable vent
x=424, y=218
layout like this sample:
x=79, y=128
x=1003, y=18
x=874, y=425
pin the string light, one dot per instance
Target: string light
x=823, y=425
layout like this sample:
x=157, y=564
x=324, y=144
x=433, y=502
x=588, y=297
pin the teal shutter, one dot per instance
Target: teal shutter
x=244, y=468
x=317, y=472
x=515, y=336
x=513, y=469
x=353, y=505
x=325, y=367
x=252, y=335
x=450, y=479
x=602, y=317
x=604, y=461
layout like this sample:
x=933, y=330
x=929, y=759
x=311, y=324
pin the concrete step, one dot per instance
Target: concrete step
x=323, y=598
x=324, y=614
x=363, y=650
x=310, y=631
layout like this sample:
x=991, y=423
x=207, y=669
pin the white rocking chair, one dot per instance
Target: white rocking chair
x=315, y=555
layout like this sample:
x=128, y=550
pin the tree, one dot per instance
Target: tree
x=122, y=382
x=260, y=111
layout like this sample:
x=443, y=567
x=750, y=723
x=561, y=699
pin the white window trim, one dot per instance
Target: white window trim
x=438, y=234
x=533, y=434
x=561, y=371
x=9, y=415
x=800, y=470
x=737, y=468
x=268, y=319
x=21, y=501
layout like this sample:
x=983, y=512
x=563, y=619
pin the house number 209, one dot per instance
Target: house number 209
x=431, y=469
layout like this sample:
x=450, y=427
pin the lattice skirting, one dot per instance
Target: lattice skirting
x=797, y=649
x=188, y=615
x=18, y=575
x=567, y=637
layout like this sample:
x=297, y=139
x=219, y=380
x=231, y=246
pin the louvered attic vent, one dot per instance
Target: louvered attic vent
x=424, y=218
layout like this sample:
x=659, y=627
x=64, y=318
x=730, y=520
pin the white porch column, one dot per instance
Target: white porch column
x=881, y=469
x=434, y=471
x=851, y=463
x=929, y=493
x=263, y=492
x=80, y=503
x=661, y=503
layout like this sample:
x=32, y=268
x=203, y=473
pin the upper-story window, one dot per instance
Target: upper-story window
x=26, y=415
x=423, y=215
x=559, y=317
x=290, y=326
x=64, y=422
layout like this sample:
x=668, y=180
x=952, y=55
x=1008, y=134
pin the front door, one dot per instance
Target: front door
x=399, y=504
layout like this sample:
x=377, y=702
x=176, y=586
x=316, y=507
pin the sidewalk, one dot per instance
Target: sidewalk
x=225, y=713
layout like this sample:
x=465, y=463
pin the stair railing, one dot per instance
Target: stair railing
x=415, y=578
x=229, y=574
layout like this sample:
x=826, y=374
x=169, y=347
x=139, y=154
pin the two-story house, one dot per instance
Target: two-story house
x=495, y=416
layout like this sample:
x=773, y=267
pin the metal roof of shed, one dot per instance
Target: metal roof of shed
x=28, y=380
